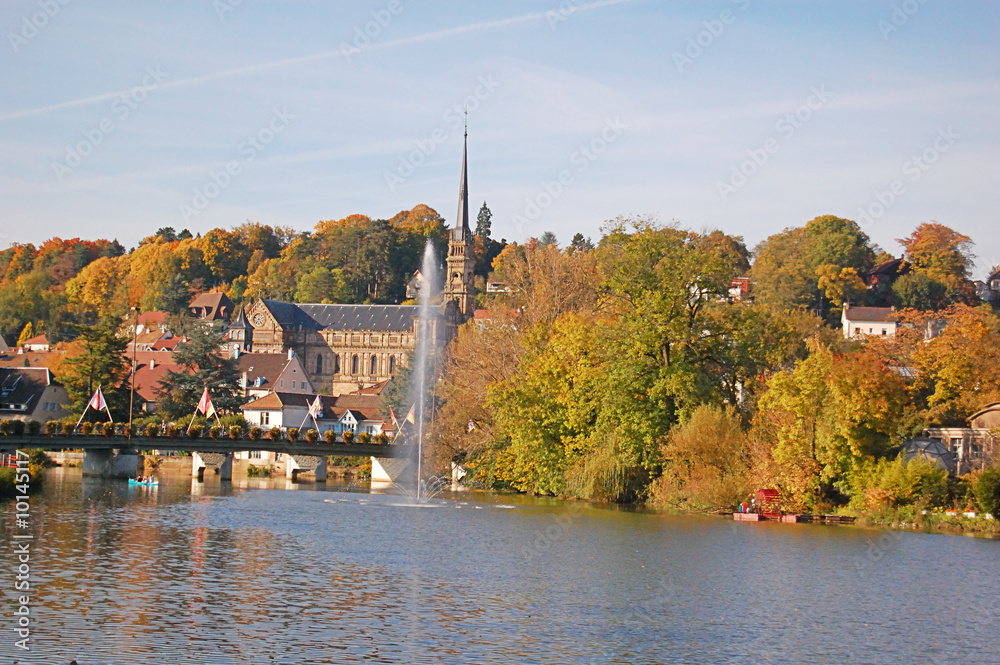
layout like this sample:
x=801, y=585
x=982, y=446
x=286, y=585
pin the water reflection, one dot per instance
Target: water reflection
x=218, y=573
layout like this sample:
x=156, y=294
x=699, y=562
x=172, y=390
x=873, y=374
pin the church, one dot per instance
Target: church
x=344, y=348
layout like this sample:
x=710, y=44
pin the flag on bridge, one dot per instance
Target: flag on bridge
x=411, y=416
x=316, y=408
x=205, y=405
x=97, y=403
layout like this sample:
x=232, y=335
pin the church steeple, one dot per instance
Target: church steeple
x=462, y=221
x=460, y=281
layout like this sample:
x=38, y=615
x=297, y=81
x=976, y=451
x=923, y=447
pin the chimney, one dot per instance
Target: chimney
x=152, y=363
x=291, y=353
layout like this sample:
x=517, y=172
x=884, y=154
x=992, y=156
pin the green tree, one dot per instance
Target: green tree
x=580, y=244
x=548, y=239
x=787, y=267
x=484, y=222
x=174, y=295
x=919, y=291
x=97, y=358
x=202, y=365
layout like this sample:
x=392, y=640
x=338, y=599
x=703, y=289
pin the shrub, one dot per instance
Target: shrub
x=68, y=428
x=108, y=429
x=34, y=427
x=152, y=430
x=986, y=489
x=382, y=438
x=364, y=438
x=312, y=436
x=17, y=427
x=52, y=428
x=87, y=428
x=130, y=429
x=5, y=427
x=259, y=471
x=37, y=457
x=235, y=432
x=347, y=437
x=329, y=436
x=905, y=483
x=255, y=433
x=708, y=464
x=195, y=431
x=215, y=431
x=173, y=431
x=293, y=433
x=275, y=434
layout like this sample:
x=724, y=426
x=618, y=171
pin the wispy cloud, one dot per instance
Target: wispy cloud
x=323, y=55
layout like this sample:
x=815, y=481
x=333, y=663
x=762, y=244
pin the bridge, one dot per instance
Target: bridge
x=119, y=456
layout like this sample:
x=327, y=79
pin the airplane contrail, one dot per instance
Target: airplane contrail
x=284, y=62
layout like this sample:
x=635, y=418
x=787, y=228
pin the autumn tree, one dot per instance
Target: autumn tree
x=943, y=256
x=707, y=462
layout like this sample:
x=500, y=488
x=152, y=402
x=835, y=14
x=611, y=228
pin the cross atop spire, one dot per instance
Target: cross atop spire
x=462, y=221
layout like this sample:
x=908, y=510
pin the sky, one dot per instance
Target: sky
x=118, y=118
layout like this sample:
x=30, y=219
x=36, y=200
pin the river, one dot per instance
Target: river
x=221, y=573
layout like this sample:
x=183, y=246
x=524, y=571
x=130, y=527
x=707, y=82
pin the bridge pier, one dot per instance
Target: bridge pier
x=389, y=469
x=221, y=462
x=109, y=463
x=303, y=464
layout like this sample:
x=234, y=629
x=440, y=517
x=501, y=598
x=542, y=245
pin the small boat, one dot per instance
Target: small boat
x=145, y=483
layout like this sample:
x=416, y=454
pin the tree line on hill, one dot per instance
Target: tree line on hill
x=65, y=284
x=629, y=371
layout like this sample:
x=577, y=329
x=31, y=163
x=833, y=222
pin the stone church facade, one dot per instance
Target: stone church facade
x=347, y=347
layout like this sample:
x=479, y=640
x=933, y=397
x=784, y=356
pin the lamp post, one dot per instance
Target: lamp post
x=131, y=396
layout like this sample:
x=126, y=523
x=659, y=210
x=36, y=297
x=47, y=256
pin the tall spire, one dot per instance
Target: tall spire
x=462, y=222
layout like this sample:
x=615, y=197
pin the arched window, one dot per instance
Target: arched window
x=374, y=366
x=354, y=365
x=392, y=365
x=319, y=364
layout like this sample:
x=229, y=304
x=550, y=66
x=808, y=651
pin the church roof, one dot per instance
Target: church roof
x=381, y=318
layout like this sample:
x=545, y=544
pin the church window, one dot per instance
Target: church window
x=374, y=366
x=392, y=364
x=354, y=365
x=319, y=364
